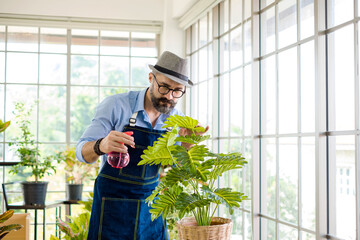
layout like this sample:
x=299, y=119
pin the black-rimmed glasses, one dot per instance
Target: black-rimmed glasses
x=176, y=93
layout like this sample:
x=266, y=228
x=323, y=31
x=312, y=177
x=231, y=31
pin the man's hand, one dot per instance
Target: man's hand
x=186, y=132
x=115, y=142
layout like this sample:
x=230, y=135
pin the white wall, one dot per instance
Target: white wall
x=109, y=9
x=166, y=11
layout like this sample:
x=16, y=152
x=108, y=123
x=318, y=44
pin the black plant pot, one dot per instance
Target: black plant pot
x=34, y=192
x=74, y=192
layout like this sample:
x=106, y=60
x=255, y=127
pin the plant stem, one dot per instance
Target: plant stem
x=214, y=212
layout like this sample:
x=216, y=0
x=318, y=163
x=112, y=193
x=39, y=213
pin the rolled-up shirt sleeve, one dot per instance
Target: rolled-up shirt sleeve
x=100, y=126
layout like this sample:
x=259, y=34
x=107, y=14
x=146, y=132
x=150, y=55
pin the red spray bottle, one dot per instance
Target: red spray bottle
x=119, y=160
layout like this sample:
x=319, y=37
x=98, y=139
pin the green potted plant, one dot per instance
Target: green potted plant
x=76, y=171
x=190, y=188
x=29, y=153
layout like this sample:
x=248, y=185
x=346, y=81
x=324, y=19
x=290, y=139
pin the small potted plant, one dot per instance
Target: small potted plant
x=29, y=153
x=76, y=171
x=190, y=188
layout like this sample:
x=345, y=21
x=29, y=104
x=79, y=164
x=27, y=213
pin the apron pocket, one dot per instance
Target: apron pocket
x=119, y=218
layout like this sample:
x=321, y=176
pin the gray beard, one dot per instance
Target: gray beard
x=160, y=104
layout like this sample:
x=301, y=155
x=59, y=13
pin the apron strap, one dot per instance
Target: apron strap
x=132, y=120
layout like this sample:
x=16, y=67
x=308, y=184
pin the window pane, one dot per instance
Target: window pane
x=235, y=12
x=85, y=41
x=224, y=16
x=140, y=71
x=203, y=72
x=224, y=49
x=288, y=91
x=203, y=103
x=143, y=44
x=268, y=85
x=236, y=103
x=53, y=40
x=343, y=190
x=188, y=41
x=2, y=37
x=114, y=71
x=2, y=104
x=194, y=101
x=268, y=31
x=287, y=22
x=19, y=93
x=53, y=69
x=339, y=11
x=247, y=10
x=224, y=105
x=52, y=117
x=307, y=236
x=237, y=219
x=83, y=103
x=195, y=37
x=247, y=42
x=194, y=68
x=287, y=232
x=288, y=178
x=84, y=70
x=210, y=61
x=306, y=18
x=114, y=43
x=265, y=3
x=248, y=226
x=29, y=68
x=341, y=79
x=2, y=67
x=236, y=53
x=268, y=229
x=108, y=91
x=22, y=39
x=308, y=183
x=248, y=100
x=307, y=73
x=247, y=174
x=203, y=31
x=268, y=171
x=210, y=26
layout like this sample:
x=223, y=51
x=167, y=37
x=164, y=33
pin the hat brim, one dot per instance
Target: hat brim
x=175, y=79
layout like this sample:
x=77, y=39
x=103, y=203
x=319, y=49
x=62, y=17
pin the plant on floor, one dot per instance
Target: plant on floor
x=78, y=227
x=190, y=187
x=6, y=229
x=27, y=148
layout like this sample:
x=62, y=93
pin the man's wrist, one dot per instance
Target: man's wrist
x=97, y=147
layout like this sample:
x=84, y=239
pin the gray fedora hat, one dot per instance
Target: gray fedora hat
x=173, y=67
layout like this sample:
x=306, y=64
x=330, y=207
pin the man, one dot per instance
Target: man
x=119, y=210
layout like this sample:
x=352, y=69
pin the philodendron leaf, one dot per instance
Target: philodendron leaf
x=225, y=196
x=183, y=122
x=193, y=139
x=225, y=162
x=160, y=188
x=4, y=125
x=165, y=204
x=162, y=157
x=191, y=159
x=187, y=203
x=6, y=215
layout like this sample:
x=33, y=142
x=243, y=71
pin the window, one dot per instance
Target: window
x=284, y=91
x=64, y=74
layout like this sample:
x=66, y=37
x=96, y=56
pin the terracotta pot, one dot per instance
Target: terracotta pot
x=220, y=229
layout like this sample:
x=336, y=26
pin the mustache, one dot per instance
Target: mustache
x=166, y=101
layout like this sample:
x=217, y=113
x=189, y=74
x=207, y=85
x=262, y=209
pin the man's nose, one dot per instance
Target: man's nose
x=169, y=95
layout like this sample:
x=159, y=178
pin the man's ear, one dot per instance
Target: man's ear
x=150, y=77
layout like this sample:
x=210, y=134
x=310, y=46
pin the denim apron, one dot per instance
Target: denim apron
x=119, y=211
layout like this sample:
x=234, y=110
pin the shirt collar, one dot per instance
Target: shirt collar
x=140, y=101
